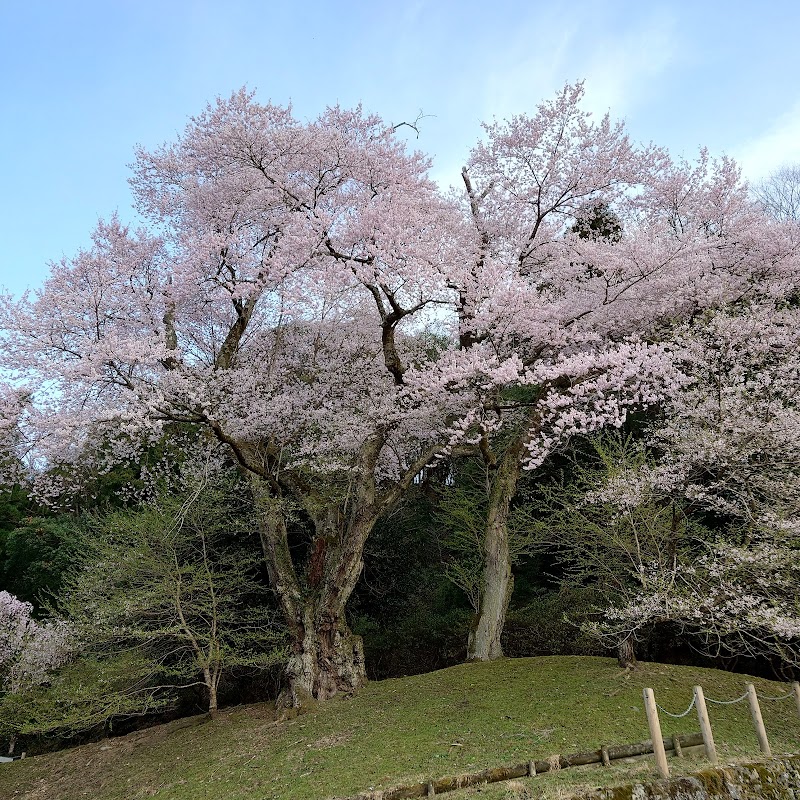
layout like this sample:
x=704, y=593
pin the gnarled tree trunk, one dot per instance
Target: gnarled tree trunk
x=325, y=656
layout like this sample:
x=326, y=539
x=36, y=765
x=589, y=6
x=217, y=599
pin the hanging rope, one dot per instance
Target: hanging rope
x=782, y=697
x=723, y=703
x=727, y=702
x=677, y=716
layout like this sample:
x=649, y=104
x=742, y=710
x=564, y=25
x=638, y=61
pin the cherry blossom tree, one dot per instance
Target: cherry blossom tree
x=280, y=300
x=12, y=405
x=581, y=316
x=306, y=300
x=729, y=446
x=29, y=650
x=730, y=442
x=612, y=530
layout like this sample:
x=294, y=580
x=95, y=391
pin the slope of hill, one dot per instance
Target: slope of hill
x=404, y=730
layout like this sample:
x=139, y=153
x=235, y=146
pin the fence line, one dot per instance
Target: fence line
x=793, y=692
x=699, y=701
x=758, y=721
x=782, y=697
x=727, y=702
x=430, y=788
x=705, y=724
x=678, y=716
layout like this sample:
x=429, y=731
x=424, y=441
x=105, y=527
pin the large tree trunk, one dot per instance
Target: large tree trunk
x=325, y=657
x=498, y=581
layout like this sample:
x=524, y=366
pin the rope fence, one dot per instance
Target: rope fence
x=699, y=703
x=782, y=697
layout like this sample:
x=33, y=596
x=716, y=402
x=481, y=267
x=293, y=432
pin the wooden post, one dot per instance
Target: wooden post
x=655, y=733
x=755, y=713
x=705, y=724
x=676, y=745
x=796, y=687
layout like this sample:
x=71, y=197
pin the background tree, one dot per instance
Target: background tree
x=779, y=194
x=596, y=220
x=728, y=451
x=29, y=652
x=580, y=343
x=609, y=530
x=35, y=553
x=462, y=510
x=412, y=618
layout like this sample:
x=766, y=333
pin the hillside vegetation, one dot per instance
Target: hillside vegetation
x=460, y=719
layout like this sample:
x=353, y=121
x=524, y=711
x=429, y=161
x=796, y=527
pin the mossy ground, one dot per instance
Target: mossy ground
x=457, y=720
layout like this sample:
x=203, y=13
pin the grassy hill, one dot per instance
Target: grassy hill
x=397, y=731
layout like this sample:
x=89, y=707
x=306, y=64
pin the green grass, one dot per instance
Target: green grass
x=456, y=720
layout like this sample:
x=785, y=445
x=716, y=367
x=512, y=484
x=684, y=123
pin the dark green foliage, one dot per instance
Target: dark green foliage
x=411, y=617
x=550, y=624
x=13, y=507
x=98, y=480
x=35, y=554
x=85, y=694
x=596, y=220
x=161, y=603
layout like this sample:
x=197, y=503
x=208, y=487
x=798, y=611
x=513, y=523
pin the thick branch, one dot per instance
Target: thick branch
x=244, y=311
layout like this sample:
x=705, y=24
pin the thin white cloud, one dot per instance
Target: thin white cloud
x=529, y=67
x=779, y=144
x=618, y=64
x=622, y=67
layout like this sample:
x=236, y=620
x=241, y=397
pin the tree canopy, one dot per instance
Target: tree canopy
x=307, y=303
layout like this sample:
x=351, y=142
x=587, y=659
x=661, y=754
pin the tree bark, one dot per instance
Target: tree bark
x=325, y=656
x=211, y=688
x=498, y=581
x=626, y=657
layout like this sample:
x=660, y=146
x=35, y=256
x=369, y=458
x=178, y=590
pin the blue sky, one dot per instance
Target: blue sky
x=84, y=81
